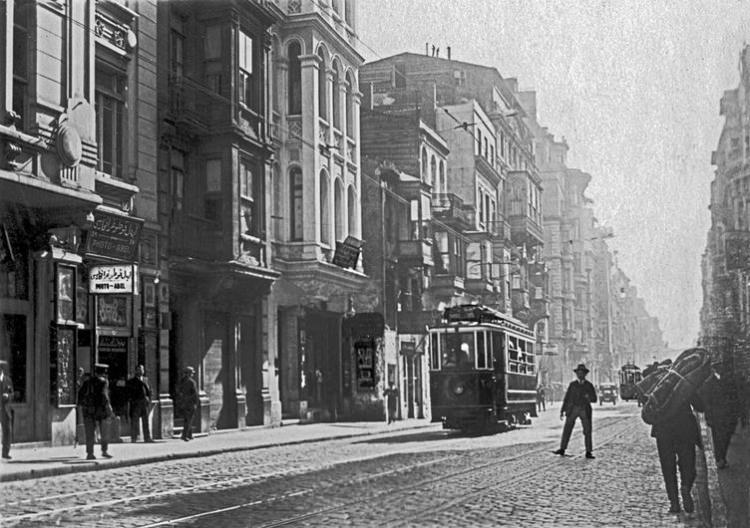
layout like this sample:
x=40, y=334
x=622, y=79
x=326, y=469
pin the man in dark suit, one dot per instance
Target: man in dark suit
x=139, y=397
x=187, y=401
x=577, y=404
x=93, y=397
x=6, y=413
x=676, y=438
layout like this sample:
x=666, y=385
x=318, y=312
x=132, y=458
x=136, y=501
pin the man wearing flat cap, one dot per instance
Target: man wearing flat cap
x=6, y=413
x=577, y=404
x=93, y=397
x=187, y=401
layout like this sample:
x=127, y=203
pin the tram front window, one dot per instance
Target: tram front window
x=458, y=350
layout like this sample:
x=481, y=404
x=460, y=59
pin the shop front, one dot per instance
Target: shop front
x=219, y=328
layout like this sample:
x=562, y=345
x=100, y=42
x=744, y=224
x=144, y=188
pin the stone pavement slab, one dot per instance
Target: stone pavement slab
x=35, y=462
x=730, y=487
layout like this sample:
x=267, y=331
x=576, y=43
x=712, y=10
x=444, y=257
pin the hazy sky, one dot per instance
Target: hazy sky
x=634, y=87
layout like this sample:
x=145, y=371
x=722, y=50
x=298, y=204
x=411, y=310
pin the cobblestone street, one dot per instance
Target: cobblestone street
x=428, y=477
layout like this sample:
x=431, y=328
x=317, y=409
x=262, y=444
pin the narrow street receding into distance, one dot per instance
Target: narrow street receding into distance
x=426, y=477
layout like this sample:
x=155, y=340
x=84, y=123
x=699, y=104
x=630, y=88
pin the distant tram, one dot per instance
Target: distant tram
x=482, y=369
x=630, y=374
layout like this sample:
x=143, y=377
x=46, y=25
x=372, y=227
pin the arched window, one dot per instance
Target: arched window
x=325, y=209
x=433, y=171
x=424, y=164
x=351, y=207
x=350, y=105
x=295, y=204
x=277, y=213
x=322, y=85
x=339, y=211
x=294, y=87
x=336, y=99
x=443, y=185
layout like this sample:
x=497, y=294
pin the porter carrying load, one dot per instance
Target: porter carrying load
x=665, y=390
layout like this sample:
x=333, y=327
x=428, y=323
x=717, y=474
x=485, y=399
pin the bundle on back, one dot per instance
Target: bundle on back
x=666, y=389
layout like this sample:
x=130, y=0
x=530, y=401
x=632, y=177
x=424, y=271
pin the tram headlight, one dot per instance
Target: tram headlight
x=458, y=390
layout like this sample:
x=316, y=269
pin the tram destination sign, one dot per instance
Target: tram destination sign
x=114, y=278
x=114, y=236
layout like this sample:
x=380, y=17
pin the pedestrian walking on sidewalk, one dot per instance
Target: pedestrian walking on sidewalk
x=139, y=397
x=93, y=397
x=6, y=413
x=187, y=401
x=720, y=397
x=577, y=405
x=540, y=403
x=676, y=439
x=391, y=394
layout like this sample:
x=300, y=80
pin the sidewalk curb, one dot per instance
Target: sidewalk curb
x=716, y=511
x=97, y=466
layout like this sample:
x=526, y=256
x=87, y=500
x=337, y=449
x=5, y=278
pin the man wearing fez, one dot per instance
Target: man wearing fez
x=139, y=397
x=93, y=397
x=577, y=404
x=6, y=413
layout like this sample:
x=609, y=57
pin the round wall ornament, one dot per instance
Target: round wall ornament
x=69, y=146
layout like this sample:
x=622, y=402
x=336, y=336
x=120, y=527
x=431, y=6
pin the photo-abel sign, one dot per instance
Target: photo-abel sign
x=114, y=278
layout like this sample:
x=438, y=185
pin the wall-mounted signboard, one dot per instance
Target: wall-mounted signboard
x=114, y=236
x=113, y=278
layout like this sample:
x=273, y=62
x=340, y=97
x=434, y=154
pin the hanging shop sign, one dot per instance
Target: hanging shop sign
x=347, y=252
x=114, y=236
x=116, y=278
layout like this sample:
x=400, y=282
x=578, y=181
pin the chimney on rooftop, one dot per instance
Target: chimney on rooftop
x=449, y=53
x=427, y=48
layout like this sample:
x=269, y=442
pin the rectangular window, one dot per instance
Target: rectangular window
x=212, y=196
x=20, y=58
x=178, y=188
x=481, y=351
x=248, y=197
x=434, y=352
x=176, y=54
x=110, y=103
x=212, y=57
x=247, y=92
x=296, y=204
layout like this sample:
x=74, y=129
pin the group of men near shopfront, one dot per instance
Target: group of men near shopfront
x=96, y=408
x=676, y=437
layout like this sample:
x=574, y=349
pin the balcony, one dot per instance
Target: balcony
x=479, y=286
x=188, y=107
x=447, y=285
x=487, y=170
x=450, y=209
x=416, y=253
x=197, y=237
x=736, y=250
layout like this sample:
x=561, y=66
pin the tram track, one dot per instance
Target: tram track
x=443, y=478
x=382, y=494
x=516, y=476
x=233, y=483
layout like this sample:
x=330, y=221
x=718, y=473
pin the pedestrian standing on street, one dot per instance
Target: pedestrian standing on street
x=676, y=439
x=391, y=394
x=6, y=413
x=720, y=397
x=139, y=397
x=577, y=404
x=187, y=401
x=540, y=403
x=93, y=397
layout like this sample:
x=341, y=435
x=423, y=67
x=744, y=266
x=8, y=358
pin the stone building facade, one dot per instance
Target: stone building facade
x=81, y=242
x=725, y=314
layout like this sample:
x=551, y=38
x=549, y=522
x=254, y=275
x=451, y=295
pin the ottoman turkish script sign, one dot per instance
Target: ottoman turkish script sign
x=114, y=236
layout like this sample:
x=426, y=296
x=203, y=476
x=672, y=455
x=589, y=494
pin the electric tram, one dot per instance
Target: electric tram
x=483, y=369
x=630, y=375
